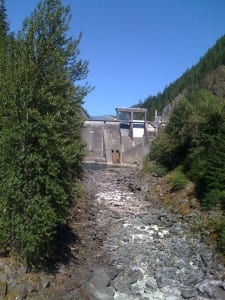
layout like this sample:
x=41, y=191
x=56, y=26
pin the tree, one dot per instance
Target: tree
x=4, y=27
x=188, y=137
x=40, y=145
x=215, y=172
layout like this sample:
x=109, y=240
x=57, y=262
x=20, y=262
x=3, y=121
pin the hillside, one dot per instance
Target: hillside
x=191, y=147
x=202, y=75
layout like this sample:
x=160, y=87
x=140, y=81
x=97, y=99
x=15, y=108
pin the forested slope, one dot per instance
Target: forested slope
x=192, y=145
x=192, y=79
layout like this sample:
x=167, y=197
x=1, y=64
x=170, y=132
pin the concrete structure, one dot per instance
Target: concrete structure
x=125, y=140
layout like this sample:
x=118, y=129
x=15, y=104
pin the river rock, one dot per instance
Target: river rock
x=151, y=284
x=90, y=292
x=130, y=247
x=189, y=293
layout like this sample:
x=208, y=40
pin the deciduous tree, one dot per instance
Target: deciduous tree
x=40, y=146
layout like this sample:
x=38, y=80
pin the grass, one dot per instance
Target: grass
x=152, y=167
x=177, y=179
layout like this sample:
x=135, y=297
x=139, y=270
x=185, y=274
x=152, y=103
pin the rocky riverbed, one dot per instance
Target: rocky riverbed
x=122, y=243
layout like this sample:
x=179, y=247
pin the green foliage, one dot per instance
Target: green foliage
x=221, y=231
x=152, y=167
x=214, y=197
x=41, y=149
x=216, y=226
x=177, y=179
x=195, y=165
x=215, y=172
x=170, y=146
x=195, y=139
x=162, y=150
x=186, y=138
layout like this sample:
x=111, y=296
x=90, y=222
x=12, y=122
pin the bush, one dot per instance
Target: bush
x=221, y=241
x=151, y=167
x=177, y=179
x=162, y=150
x=216, y=227
x=214, y=198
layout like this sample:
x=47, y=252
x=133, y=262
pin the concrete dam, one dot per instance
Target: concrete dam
x=124, y=140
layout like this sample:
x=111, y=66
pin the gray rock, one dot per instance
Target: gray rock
x=122, y=252
x=138, y=261
x=125, y=239
x=210, y=287
x=176, y=230
x=133, y=276
x=45, y=280
x=18, y=292
x=162, y=281
x=219, y=293
x=193, y=279
x=90, y=292
x=135, y=290
x=100, y=279
x=151, y=284
x=206, y=257
x=189, y=293
x=121, y=286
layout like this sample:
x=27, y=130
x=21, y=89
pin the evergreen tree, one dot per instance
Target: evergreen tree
x=215, y=173
x=4, y=27
x=41, y=149
x=189, y=135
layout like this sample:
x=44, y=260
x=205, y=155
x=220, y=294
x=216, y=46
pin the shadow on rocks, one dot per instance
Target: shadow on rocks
x=65, y=247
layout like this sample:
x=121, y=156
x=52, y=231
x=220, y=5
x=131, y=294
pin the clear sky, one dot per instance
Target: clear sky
x=135, y=47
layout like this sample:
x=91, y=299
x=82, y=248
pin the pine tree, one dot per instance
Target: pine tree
x=215, y=174
x=4, y=27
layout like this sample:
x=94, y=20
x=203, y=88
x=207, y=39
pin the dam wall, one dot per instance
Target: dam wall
x=112, y=142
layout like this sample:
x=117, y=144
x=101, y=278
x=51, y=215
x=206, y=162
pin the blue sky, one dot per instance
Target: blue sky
x=135, y=47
